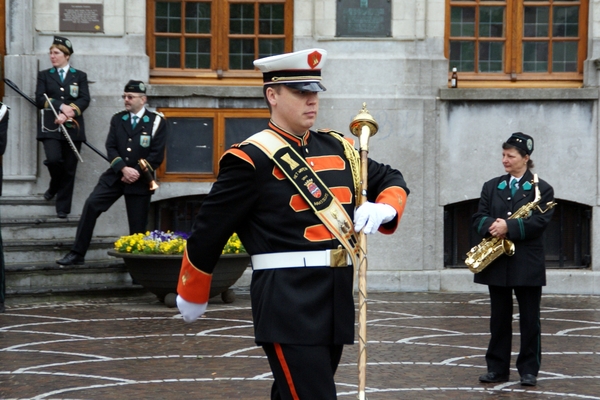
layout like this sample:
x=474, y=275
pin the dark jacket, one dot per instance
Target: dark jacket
x=73, y=91
x=3, y=136
x=125, y=146
x=305, y=306
x=527, y=266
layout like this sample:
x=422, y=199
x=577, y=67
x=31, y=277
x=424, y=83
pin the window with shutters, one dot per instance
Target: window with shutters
x=517, y=42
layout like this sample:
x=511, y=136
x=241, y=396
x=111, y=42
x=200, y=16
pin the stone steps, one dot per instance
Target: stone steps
x=37, y=251
x=26, y=279
x=39, y=227
x=33, y=238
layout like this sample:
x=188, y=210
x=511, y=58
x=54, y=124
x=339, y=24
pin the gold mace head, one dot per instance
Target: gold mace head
x=362, y=119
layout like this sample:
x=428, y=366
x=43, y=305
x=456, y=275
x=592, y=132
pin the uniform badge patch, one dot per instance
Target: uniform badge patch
x=313, y=188
x=74, y=90
x=145, y=141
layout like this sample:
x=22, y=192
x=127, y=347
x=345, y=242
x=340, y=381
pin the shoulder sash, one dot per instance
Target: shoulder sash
x=312, y=189
x=156, y=123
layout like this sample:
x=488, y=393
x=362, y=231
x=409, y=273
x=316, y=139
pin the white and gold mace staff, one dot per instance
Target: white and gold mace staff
x=64, y=130
x=363, y=126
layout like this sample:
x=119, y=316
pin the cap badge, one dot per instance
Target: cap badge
x=314, y=59
x=529, y=144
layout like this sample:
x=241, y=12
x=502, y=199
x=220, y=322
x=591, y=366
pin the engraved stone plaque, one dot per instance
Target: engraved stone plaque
x=81, y=17
x=364, y=18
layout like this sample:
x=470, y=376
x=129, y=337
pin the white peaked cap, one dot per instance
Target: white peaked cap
x=300, y=70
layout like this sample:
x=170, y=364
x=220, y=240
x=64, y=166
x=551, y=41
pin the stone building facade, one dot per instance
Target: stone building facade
x=447, y=142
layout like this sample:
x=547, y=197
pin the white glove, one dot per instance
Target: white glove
x=190, y=311
x=371, y=215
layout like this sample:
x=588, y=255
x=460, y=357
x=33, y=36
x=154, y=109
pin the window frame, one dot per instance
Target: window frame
x=218, y=74
x=512, y=75
x=219, y=117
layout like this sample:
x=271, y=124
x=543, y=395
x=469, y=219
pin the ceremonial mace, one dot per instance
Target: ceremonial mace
x=363, y=126
x=64, y=130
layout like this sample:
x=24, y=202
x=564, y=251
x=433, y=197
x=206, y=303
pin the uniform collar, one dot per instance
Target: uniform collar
x=65, y=69
x=139, y=114
x=299, y=140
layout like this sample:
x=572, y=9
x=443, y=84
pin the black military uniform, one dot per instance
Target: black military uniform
x=303, y=313
x=524, y=272
x=61, y=160
x=125, y=146
x=3, y=141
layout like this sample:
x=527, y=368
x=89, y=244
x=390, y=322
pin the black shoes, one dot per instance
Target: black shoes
x=528, y=380
x=48, y=196
x=71, y=259
x=493, y=377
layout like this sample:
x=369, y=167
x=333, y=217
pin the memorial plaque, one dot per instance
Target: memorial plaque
x=79, y=17
x=364, y=18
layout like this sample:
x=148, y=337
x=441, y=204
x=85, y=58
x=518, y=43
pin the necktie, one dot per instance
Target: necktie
x=134, y=121
x=513, y=187
x=61, y=73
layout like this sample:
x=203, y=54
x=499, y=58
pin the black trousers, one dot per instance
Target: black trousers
x=499, y=349
x=303, y=372
x=61, y=162
x=2, y=272
x=100, y=200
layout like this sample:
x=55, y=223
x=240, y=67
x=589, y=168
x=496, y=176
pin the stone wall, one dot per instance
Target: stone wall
x=446, y=142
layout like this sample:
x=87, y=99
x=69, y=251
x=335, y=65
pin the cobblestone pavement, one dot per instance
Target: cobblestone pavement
x=420, y=346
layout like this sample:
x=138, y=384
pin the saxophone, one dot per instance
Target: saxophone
x=491, y=248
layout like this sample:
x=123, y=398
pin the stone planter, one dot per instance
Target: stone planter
x=160, y=273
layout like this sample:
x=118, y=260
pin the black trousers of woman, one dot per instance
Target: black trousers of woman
x=500, y=346
x=62, y=166
x=2, y=276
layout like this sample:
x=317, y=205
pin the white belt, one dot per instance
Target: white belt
x=301, y=259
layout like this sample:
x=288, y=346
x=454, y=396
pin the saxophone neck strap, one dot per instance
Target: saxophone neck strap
x=312, y=189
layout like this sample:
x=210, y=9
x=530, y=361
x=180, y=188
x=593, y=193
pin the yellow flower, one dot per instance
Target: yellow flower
x=159, y=242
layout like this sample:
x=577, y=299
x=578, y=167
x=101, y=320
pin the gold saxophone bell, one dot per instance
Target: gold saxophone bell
x=147, y=171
